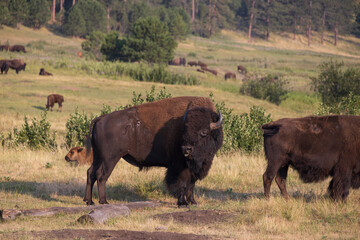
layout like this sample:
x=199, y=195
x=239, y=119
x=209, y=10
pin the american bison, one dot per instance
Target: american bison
x=17, y=48
x=202, y=65
x=200, y=70
x=210, y=71
x=52, y=99
x=44, y=73
x=192, y=63
x=316, y=147
x=242, y=69
x=178, y=61
x=79, y=155
x=181, y=134
x=16, y=64
x=4, y=47
x=229, y=75
x=2, y=65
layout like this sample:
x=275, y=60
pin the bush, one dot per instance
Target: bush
x=242, y=132
x=35, y=135
x=269, y=88
x=334, y=83
x=349, y=105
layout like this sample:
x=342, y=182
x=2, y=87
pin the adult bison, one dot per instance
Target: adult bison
x=79, y=155
x=4, y=47
x=16, y=64
x=17, y=48
x=242, y=69
x=317, y=147
x=44, y=73
x=52, y=99
x=210, y=71
x=192, y=63
x=229, y=75
x=181, y=134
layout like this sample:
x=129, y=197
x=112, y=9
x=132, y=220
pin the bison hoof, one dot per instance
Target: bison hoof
x=89, y=202
x=103, y=202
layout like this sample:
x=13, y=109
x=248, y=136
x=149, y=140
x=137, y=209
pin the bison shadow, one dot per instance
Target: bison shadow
x=47, y=190
x=39, y=108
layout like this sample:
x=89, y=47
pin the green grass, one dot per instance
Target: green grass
x=39, y=179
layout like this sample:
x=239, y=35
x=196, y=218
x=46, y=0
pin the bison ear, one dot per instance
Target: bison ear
x=80, y=150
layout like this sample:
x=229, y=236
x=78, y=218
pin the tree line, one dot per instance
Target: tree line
x=259, y=18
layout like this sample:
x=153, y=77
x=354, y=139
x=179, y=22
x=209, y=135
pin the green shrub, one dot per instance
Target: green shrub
x=242, y=132
x=36, y=135
x=333, y=83
x=39, y=45
x=349, y=105
x=269, y=88
x=77, y=127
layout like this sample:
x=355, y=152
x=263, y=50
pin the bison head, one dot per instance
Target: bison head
x=202, y=137
x=74, y=155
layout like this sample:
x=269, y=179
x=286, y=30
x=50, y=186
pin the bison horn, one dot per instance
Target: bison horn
x=217, y=124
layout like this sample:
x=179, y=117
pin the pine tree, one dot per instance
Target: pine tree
x=38, y=13
x=18, y=10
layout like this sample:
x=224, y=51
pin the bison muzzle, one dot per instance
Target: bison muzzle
x=181, y=134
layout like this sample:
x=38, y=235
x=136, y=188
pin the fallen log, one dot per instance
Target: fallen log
x=11, y=214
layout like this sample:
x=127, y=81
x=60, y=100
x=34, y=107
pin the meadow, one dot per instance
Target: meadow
x=39, y=178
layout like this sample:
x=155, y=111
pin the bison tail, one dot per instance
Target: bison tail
x=270, y=129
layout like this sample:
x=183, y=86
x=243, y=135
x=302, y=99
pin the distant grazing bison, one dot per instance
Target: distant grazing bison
x=192, y=63
x=4, y=47
x=202, y=65
x=229, y=75
x=210, y=71
x=17, y=48
x=181, y=134
x=16, y=64
x=79, y=155
x=52, y=99
x=241, y=69
x=44, y=73
x=316, y=147
x=178, y=61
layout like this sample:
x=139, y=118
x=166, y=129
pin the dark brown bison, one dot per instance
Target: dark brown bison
x=242, y=69
x=52, y=99
x=192, y=63
x=44, y=73
x=79, y=155
x=202, y=65
x=181, y=134
x=200, y=70
x=229, y=75
x=316, y=147
x=178, y=61
x=17, y=48
x=16, y=64
x=4, y=47
x=2, y=65
x=210, y=71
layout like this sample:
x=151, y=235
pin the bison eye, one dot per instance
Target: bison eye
x=204, y=133
x=72, y=153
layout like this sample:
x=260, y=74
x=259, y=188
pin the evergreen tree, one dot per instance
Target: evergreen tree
x=38, y=13
x=74, y=23
x=5, y=17
x=18, y=10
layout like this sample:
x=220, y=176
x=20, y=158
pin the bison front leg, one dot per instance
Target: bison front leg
x=178, y=182
x=190, y=194
x=340, y=184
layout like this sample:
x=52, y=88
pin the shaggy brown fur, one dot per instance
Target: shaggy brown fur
x=192, y=63
x=229, y=75
x=316, y=147
x=44, y=73
x=80, y=156
x=52, y=99
x=16, y=64
x=17, y=48
x=4, y=47
x=181, y=134
x=242, y=69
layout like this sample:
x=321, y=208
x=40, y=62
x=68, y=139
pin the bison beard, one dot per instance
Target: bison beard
x=181, y=134
x=316, y=147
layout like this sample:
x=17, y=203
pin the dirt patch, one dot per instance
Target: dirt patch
x=105, y=234
x=197, y=217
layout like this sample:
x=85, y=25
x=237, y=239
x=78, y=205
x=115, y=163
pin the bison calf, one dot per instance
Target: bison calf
x=242, y=69
x=44, y=73
x=52, y=99
x=229, y=75
x=316, y=147
x=79, y=155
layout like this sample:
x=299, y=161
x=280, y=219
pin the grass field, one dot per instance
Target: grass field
x=40, y=179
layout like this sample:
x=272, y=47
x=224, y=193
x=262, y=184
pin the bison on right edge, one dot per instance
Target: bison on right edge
x=316, y=147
